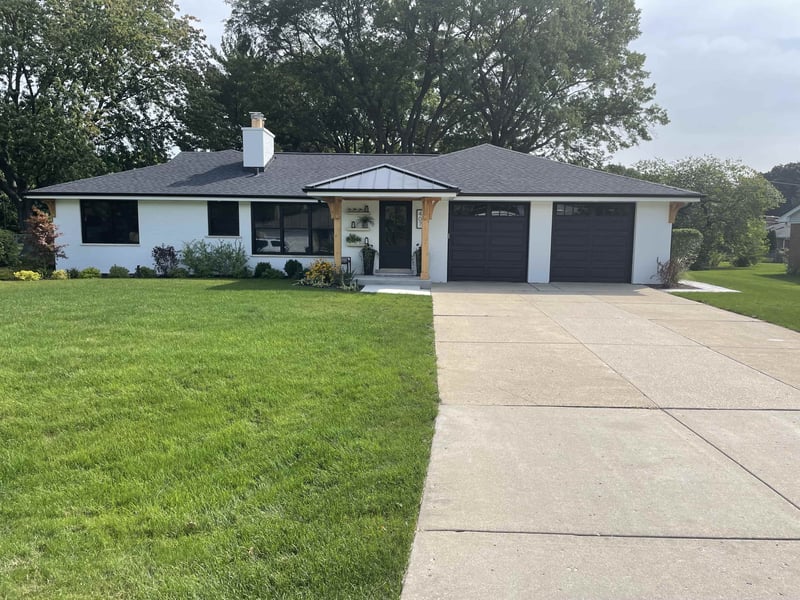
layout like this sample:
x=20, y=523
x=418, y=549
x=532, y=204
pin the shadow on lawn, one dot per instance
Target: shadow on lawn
x=781, y=277
x=248, y=285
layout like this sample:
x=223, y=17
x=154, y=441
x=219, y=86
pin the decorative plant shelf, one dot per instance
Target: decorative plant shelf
x=362, y=211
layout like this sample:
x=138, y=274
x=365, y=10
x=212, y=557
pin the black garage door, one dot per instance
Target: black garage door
x=488, y=241
x=592, y=242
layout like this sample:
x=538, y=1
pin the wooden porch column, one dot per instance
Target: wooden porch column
x=335, y=206
x=428, y=204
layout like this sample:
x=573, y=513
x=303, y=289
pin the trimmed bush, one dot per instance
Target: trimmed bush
x=144, y=272
x=294, y=269
x=27, y=276
x=10, y=249
x=117, y=272
x=73, y=273
x=61, y=274
x=264, y=270
x=89, y=273
x=223, y=259
x=686, y=244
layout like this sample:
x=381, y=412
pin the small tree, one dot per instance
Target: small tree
x=40, y=241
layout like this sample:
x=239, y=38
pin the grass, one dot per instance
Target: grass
x=767, y=292
x=210, y=439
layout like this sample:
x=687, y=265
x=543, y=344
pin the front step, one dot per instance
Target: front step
x=387, y=280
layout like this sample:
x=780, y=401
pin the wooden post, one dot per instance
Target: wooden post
x=335, y=206
x=428, y=204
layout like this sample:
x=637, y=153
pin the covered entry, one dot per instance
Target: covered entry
x=488, y=241
x=592, y=242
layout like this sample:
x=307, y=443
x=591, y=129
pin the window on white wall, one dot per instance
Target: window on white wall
x=110, y=221
x=292, y=228
x=223, y=218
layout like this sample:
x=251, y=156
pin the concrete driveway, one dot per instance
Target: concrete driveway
x=608, y=441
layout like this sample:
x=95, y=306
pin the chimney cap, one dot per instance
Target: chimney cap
x=256, y=115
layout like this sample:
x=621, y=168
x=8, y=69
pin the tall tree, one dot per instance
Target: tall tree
x=554, y=77
x=786, y=179
x=730, y=216
x=88, y=86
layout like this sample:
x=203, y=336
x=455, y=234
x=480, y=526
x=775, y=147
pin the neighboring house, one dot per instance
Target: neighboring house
x=782, y=231
x=791, y=219
x=484, y=213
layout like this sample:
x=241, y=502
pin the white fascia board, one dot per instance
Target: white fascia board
x=571, y=199
x=416, y=195
x=787, y=217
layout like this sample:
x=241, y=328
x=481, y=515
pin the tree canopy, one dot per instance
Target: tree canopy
x=786, y=179
x=88, y=87
x=730, y=216
x=554, y=77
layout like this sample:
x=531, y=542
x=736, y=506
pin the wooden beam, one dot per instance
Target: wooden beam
x=51, y=207
x=428, y=204
x=674, y=207
x=335, y=206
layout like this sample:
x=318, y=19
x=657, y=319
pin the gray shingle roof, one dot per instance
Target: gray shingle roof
x=482, y=170
x=491, y=170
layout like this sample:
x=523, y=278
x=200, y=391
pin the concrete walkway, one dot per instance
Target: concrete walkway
x=608, y=441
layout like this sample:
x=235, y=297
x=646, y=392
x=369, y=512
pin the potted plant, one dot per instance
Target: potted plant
x=368, y=257
x=353, y=239
x=366, y=220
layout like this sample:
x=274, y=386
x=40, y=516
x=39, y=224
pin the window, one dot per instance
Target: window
x=223, y=218
x=595, y=209
x=110, y=221
x=292, y=228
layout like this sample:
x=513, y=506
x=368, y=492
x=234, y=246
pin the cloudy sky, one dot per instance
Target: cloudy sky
x=727, y=71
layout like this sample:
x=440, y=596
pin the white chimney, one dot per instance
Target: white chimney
x=258, y=143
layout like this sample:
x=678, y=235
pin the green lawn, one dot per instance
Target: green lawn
x=767, y=292
x=210, y=439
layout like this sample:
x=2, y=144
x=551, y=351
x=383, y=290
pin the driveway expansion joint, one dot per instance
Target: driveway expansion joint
x=733, y=460
x=634, y=536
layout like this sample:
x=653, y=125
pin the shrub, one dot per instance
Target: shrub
x=264, y=270
x=224, y=259
x=89, y=273
x=73, y=273
x=670, y=272
x=686, y=244
x=6, y=274
x=294, y=269
x=41, y=234
x=165, y=259
x=144, y=272
x=320, y=274
x=61, y=274
x=27, y=276
x=118, y=272
x=10, y=249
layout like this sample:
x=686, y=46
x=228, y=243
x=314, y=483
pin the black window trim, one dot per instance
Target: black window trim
x=87, y=201
x=281, y=226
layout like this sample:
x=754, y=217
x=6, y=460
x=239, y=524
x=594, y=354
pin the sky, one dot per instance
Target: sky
x=726, y=71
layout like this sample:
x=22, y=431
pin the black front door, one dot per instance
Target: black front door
x=395, y=235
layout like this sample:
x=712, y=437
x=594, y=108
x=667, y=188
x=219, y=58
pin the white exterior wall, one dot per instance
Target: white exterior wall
x=437, y=238
x=174, y=222
x=541, y=233
x=652, y=240
x=170, y=222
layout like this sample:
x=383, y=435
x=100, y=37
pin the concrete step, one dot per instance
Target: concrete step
x=393, y=280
